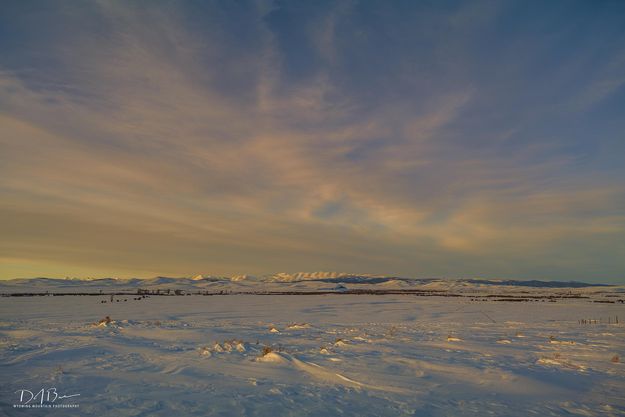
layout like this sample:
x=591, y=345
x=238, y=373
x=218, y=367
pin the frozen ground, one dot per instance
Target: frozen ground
x=349, y=355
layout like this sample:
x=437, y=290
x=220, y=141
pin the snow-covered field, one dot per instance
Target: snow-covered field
x=321, y=355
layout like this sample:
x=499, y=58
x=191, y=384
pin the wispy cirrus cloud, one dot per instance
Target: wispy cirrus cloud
x=179, y=138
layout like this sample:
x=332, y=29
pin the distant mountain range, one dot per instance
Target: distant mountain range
x=201, y=281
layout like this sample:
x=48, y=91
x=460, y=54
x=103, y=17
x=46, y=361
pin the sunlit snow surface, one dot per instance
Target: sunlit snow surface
x=349, y=355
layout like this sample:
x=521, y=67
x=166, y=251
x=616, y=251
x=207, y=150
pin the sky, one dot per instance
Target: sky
x=411, y=138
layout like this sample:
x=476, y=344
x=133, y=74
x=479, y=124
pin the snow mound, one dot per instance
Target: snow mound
x=271, y=357
x=298, y=326
x=340, y=343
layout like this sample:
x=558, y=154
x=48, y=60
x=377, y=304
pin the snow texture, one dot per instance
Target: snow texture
x=481, y=352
